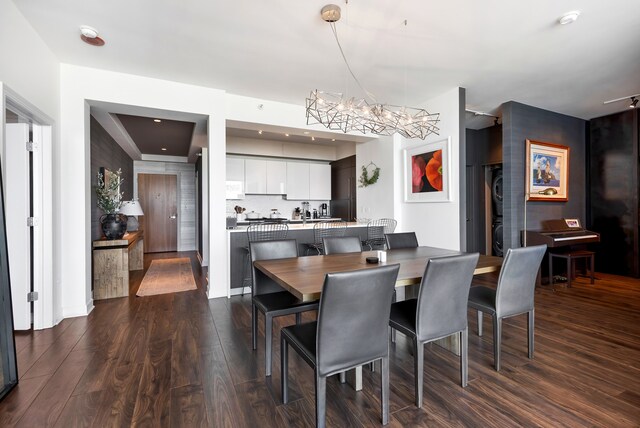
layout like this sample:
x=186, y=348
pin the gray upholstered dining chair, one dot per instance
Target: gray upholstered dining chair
x=514, y=294
x=401, y=240
x=439, y=311
x=340, y=341
x=268, y=297
x=341, y=245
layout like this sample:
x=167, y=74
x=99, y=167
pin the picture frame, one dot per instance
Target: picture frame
x=427, y=172
x=572, y=223
x=547, y=172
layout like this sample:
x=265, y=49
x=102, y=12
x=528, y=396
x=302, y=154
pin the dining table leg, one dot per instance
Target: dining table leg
x=354, y=378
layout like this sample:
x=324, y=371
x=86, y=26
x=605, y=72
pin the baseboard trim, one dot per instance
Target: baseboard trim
x=238, y=291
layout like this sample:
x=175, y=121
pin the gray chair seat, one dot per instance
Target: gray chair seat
x=403, y=316
x=274, y=302
x=302, y=337
x=482, y=299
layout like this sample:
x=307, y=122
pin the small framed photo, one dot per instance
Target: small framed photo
x=427, y=172
x=572, y=222
x=547, y=172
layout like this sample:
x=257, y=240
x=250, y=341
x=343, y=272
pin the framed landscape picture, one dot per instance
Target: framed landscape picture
x=427, y=172
x=547, y=172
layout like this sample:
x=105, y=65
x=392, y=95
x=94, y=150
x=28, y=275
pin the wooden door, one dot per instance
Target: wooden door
x=157, y=194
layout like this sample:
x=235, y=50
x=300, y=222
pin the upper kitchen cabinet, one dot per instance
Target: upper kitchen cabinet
x=319, y=181
x=235, y=178
x=308, y=181
x=255, y=176
x=276, y=177
x=297, y=180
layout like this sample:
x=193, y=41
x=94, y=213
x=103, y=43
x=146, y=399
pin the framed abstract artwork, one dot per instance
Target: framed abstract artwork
x=427, y=172
x=547, y=172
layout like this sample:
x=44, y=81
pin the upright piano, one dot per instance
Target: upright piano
x=561, y=233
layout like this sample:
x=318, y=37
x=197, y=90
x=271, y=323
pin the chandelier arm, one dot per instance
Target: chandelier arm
x=344, y=57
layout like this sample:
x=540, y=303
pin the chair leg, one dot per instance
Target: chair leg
x=464, y=357
x=384, y=390
x=298, y=317
x=479, y=323
x=254, y=326
x=497, y=337
x=530, y=331
x=321, y=400
x=268, y=327
x=418, y=360
x=284, y=371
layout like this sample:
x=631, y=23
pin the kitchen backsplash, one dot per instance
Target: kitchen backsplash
x=264, y=203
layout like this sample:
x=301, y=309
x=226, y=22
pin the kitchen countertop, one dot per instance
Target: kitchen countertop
x=289, y=221
x=297, y=225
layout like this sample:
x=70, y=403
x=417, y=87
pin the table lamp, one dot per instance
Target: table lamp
x=131, y=209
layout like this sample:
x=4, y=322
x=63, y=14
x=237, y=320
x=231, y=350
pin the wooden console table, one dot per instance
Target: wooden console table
x=112, y=261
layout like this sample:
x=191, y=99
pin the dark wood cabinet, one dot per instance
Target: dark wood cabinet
x=343, y=188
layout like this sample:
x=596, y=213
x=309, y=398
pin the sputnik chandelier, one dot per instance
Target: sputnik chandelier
x=337, y=112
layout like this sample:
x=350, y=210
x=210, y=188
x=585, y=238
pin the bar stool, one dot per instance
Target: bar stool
x=268, y=231
x=325, y=229
x=570, y=257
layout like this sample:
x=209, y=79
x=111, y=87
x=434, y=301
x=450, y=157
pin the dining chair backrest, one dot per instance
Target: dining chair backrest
x=517, y=280
x=443, y=296
x=341, y=245
x=269, y=250
x=353, y=318
x=327, y=229
x=377, y=229
x=268, y=231
x=401, y=240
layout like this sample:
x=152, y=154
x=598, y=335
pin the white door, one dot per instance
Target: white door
x=17, y=209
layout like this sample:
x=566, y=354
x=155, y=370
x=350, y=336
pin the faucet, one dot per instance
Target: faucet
x=305, y=208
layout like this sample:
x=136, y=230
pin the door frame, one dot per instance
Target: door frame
x=43, y=277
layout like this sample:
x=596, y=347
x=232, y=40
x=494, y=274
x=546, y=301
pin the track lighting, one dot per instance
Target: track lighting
x=634, y=102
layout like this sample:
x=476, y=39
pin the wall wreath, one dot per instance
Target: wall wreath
x=364, y=179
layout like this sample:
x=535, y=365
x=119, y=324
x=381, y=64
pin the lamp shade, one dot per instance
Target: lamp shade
x=131, y=208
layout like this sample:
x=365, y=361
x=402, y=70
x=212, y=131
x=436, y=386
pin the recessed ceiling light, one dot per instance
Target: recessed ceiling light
x=286, y=135
x=313, y=138
x=157, y=120
x=164, y=149
x=569, y=17
x=89, y=35
x=260, y=132
x=306, y=132
x=333, y=139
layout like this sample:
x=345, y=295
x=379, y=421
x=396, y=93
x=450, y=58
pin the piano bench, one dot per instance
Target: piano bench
x=570, y=257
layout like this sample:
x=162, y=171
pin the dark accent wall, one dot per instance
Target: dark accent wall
x=105, y=152
x=484, y=147
x=522, y=122
x=613, y=202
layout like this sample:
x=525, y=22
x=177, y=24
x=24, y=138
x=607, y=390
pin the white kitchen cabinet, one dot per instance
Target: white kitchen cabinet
x=319, y=182
x=276, y=177
x=298, y=181
x=255, y=176
x=235, y=178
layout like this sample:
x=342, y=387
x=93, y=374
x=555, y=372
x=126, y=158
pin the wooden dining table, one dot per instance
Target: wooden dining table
x=304, y=276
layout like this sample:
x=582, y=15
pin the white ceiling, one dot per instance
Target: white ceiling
x=500, y=50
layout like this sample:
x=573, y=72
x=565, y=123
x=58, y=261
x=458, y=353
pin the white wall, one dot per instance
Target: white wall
x=80, y=84
x=376, y=201
x=32, y=71
x=280, y=149
x=436, y=224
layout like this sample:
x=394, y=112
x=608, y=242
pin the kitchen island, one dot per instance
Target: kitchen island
x=302, y=233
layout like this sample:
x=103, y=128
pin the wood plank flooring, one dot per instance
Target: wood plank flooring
x=181, y=360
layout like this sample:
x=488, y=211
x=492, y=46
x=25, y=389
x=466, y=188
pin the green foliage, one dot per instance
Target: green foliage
x=108, y=191
x=364, y=177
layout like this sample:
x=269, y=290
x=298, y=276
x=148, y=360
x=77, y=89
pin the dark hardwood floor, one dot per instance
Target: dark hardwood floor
x=182, y=360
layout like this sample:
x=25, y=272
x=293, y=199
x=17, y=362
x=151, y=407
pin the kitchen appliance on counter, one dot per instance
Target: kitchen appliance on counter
x=296, y=214
x=253, y=215
x=275, y=214
x=315, y=213
x=324, y=210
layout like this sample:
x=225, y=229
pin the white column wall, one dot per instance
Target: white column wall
x=81, y=85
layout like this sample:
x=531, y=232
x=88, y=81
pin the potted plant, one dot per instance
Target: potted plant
x=114, y=225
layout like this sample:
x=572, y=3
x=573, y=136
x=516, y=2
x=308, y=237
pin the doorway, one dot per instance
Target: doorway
x=26, y=158
x=157, y=194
